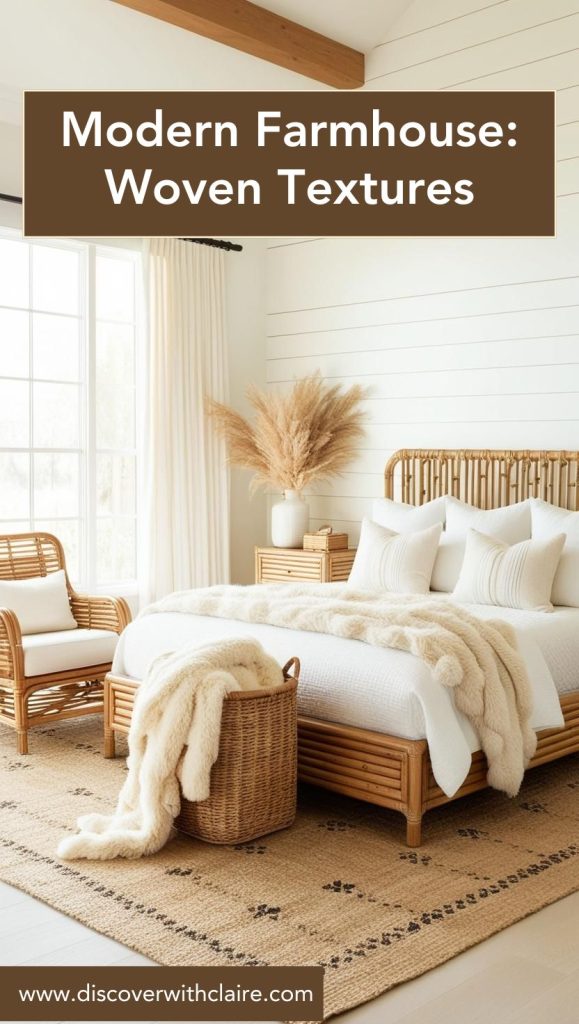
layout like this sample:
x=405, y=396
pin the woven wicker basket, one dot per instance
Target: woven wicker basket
x=254, y=780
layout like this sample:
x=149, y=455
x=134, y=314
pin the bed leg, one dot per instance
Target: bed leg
x=414, y=832
x=109, y=736
x=414, y=800
x=22, y=741
x=109, y=742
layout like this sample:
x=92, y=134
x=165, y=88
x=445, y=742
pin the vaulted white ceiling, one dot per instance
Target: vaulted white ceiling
x=97, y=44
x=358, y=23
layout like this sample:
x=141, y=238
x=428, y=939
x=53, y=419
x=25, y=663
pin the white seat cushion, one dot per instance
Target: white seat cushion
x=58, y=652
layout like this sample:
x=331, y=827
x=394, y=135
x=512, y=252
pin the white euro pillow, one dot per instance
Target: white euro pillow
x=509, y=576
x=40, y=604
x=509, y=524
x=403, y=518
x=547, y=521
x=399, y=563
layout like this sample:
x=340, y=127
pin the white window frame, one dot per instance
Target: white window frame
x=87, y=450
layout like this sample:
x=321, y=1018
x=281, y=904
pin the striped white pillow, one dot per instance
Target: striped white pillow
x=400, y=563
x=511, y=524
x=516, y=576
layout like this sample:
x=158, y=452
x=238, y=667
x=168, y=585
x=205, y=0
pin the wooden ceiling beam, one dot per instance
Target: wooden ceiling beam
x=246, y=26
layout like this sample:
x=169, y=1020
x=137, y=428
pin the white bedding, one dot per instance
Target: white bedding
x=390, y=691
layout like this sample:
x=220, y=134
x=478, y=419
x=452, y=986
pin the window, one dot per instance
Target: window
x=68, y=372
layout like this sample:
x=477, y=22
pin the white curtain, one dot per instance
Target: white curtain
x=185, y=535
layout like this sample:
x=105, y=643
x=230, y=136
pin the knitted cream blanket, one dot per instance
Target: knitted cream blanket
x=478, y=659
x=178, y=705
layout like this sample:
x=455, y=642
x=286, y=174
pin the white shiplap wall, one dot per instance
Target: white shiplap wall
x=462, y=342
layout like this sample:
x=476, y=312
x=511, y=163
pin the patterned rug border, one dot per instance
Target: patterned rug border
x=376, y=905
x=549, y=900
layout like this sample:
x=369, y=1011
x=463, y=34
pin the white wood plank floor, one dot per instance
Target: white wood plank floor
x=528, y=974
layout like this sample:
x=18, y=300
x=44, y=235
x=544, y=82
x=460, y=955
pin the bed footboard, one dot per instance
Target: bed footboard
x=396, y=773
x=384, y=770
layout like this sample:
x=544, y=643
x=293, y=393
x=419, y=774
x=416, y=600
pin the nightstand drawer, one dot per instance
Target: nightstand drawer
x=294, y=565
x=340, y=564
x=274, y=567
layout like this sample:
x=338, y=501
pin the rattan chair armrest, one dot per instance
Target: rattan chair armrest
x=100, y=612
x=11, y=653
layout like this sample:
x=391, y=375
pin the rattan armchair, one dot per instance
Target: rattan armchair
x=31, y=700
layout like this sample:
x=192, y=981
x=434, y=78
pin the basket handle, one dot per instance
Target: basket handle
x=292, y=663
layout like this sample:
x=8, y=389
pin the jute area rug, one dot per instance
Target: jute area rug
x=339, y=888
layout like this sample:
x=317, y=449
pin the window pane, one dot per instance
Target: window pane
x=56, y=485
x=55, y=279
x=115, y=361
x=43, y=301
x=13, y=273
x=14, y=343
x=115, y=485
x=116, y=558
x=115, y=289
x=115, y=352
x=115, y=416
x=14, y=404
x=68, y=533
x=15, y=526
x=56, y=347
x=14, y=486
x=56, y=415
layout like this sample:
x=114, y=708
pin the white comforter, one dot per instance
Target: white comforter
x=390, y=691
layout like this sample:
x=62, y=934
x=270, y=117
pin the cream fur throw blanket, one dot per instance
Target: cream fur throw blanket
x=478, y=659
x=178, y=706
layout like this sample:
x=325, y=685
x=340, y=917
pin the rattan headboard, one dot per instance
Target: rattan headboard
x=488, y=479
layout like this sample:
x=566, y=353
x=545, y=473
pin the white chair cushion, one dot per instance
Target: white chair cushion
x=57, y=652
x=41, y=603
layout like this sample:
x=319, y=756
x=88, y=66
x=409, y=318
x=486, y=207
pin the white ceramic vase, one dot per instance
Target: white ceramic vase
x=290, y=519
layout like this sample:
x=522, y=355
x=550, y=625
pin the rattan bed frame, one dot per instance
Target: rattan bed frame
x=393, y=772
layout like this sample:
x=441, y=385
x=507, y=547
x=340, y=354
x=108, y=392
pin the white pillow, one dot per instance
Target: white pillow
x=41, y=604
x=516, y=576
x=402, y=518
x=548, y=520
x=510, y=524
x=399, y=563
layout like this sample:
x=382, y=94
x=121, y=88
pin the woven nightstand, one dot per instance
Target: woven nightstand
x=283, y=565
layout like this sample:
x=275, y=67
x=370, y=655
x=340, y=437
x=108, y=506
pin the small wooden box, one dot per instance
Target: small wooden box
x=325, y=541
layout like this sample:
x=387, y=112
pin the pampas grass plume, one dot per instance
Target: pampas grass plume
x=309, y=434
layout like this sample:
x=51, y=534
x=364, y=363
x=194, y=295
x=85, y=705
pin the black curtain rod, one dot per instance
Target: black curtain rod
x=216, y=243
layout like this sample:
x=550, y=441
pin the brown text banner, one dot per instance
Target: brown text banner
x=290, y=163
x=161, y=993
